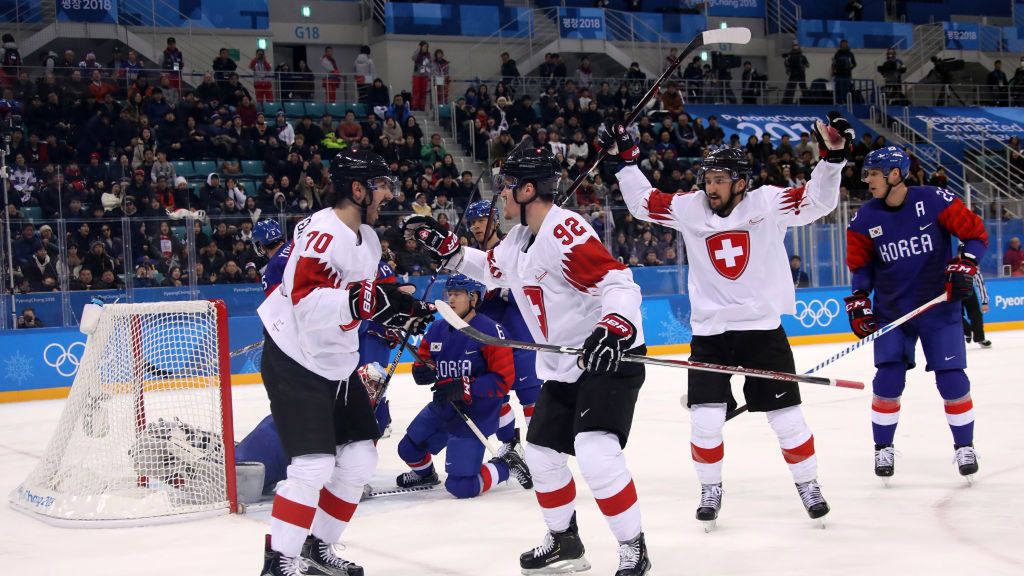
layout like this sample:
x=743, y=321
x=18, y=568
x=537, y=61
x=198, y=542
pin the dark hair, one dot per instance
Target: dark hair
x=364, y=49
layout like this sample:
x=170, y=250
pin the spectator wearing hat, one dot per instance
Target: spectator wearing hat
x=173, y=62
x=796, y=70
x=97, y=260
x=282, y=130
x=252, y=274
x=139, y=186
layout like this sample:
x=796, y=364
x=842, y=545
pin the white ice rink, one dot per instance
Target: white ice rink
x=929, y=522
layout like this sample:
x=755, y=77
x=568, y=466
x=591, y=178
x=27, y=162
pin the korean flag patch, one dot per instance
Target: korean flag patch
x=435, y=346
x=875, y=232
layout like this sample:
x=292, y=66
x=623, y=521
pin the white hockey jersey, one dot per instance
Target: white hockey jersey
x=308, y=315
x=564, y=283
x=739, y=276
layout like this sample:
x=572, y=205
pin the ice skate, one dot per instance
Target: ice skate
x=710, y=504
x=321, y=555
x=276, y=564
x=814, y=502
x=560, y=553
x=513, y=445
x=885, y=460
x=412, y=479
x=633, y=560
x=985, y=343
x=517, y=468
x=966, y=461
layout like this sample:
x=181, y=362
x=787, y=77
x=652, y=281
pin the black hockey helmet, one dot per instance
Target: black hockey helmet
x=731, y=160
x=536, y=165
x=354, y=165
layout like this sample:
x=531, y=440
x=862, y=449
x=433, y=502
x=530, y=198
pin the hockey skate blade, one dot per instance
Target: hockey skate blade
x=709, y=525
x=561, y=567
x=970, y=480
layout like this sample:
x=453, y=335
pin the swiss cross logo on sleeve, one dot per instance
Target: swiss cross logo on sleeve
x=729, y=252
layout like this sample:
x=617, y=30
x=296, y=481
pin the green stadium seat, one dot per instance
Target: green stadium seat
x=204, y=167
x=270, y=108
x=444, y=111
x=183, y=168
x=294, y=109
x=252, y=167
x=337, y=109
x=179, y=232
x=31, y=212
x=315, y=109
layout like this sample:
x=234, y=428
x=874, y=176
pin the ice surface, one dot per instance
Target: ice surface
x=928, y=522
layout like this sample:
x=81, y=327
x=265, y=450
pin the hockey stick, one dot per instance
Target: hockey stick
x=737, y=35
x=459, y=324
x=869, y=338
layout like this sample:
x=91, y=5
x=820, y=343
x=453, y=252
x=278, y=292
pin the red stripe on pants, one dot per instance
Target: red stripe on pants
x=292, y=512
x=335, y=506
x=564, y=495
x=885, y=405
x=528, y=411
x=707, y=455
x=959, y=407
x=505, y=409
x=424, y=462
x=619, y=503
x=800, y=453
x=485, y=479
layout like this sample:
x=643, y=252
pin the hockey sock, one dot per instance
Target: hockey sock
x=492, y=473
x=528, y=413
x=603, y=465
x=295, y=502
x=955, y=389
x=417, y=458
x=553, y=485
x=890, y=379
x=796, y=441
x=706, y=443
x=353, y=468
x=506, y=424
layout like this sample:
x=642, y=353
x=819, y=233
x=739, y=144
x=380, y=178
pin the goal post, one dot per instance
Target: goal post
x=146, y=432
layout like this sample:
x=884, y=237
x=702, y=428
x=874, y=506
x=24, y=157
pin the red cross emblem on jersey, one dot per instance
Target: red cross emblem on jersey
x=729, y=252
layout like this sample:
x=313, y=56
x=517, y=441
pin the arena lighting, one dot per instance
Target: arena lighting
x=306, y=12
x=261, y=43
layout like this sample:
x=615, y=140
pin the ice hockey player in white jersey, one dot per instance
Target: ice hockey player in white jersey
x=311, y=351
x=572, y=293
x=739, y=287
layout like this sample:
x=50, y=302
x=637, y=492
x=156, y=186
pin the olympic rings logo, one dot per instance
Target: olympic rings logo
x=816, y=312
x=59, y=358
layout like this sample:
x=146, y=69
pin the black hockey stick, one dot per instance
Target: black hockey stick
x=716, y=36
x=459, y=324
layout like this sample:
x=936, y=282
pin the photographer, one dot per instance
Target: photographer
x=796, y=71
x=28, y=319
x=893, y=70
x=752, y=83
x=843, y=63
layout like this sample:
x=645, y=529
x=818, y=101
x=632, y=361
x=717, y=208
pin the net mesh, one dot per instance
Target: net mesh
x=142, y=433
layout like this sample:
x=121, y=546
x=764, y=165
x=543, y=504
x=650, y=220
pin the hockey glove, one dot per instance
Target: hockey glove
x=454, y=390
x=835, y=139
x=423, y=374
x=438, y=240
x=613, y=137
x=960, y=278
x=862, y=318
x=603, y=349
x=385, y=303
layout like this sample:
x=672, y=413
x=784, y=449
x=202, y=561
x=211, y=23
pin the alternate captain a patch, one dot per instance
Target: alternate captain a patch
x=729, y=252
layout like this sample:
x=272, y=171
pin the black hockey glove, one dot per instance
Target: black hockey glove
x=432, y=236
x=454, y=390
x=385, y=303
x=835, y=139
x=423, y=374
x=613, y=137
x=603, y=349
x=960, y=273
x=862, y=318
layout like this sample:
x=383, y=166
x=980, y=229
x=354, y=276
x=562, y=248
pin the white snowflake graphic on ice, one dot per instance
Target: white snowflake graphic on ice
x=17, y=368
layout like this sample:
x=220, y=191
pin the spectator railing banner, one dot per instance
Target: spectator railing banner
x=454, y=19
x=874, y=35
x=736, y=8
x=38, y=361
x=234, y=14
x=101, y=11
x=582, y=23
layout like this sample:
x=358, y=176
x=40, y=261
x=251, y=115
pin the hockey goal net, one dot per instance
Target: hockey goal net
x=146, y=433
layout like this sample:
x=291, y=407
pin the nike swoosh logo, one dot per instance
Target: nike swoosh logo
x=756, y=221
x=523, y=379
x=468, y=352
x=950, y=357
x=780, y=395
x=926, y=225
x=584, y=413
x=541, y=277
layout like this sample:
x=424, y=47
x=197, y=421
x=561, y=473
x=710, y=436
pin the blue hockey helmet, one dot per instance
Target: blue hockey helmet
x=477, y=210
x=463, y=282
x=885, y=159
x=266, y=233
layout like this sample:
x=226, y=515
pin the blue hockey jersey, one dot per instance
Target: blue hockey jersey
x=457, y=355
x=901, y=253
x=274, y=269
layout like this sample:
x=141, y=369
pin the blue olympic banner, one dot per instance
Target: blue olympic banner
x=952, y=127
x=22, y=11
x=962, y=35
x=103, y=11
x=582, y=23
x=737, y=8
x=775, y=120
x=455, y=19
x=49, y=357
x=878, y=35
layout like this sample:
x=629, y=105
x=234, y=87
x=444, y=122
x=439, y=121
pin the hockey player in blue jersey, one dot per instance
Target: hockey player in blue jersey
x=498, y=306
x=465, y=376
x=268, y=240
x=900, y=248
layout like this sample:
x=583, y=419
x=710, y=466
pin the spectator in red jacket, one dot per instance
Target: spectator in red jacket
x=1014, y=257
